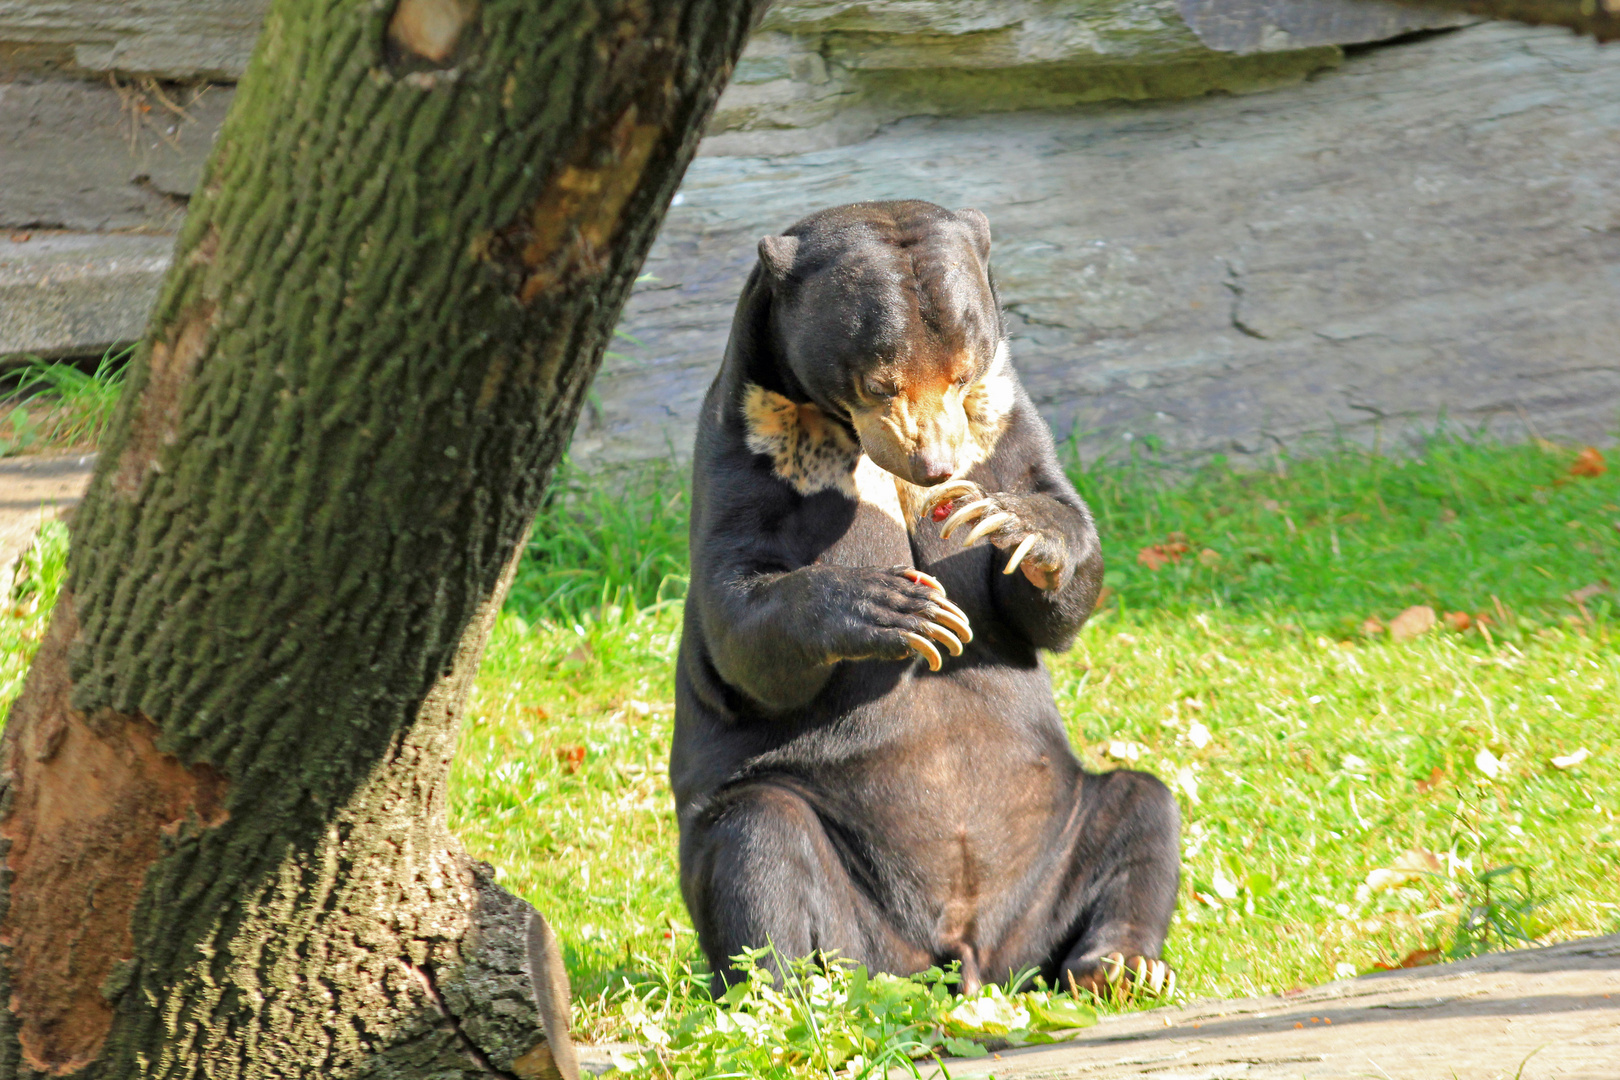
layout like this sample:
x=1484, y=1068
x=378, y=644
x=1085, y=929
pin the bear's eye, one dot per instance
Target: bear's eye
x=881, y=389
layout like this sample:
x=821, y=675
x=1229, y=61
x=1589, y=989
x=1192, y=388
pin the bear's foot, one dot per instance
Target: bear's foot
x=1119, y=979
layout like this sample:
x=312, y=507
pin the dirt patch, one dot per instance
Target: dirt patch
x=34, y=490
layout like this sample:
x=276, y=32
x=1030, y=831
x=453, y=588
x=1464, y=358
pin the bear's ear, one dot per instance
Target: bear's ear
x=776, y=254
x=979, y=226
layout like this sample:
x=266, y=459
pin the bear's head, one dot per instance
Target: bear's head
x=885, y=315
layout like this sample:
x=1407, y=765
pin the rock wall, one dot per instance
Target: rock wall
x=1430, y=228
x=1387, y=232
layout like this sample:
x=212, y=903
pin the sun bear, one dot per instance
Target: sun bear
x=867, y=757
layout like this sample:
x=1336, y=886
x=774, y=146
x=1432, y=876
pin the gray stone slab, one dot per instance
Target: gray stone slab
x=1248, y=26
x=1432, y=228
x=86, y=156
x=75, y=294
x=1530, y=1013
x=173, y=39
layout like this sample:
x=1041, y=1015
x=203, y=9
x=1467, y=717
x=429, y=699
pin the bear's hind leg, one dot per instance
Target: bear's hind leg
x=759, y=869
x=1125, y=873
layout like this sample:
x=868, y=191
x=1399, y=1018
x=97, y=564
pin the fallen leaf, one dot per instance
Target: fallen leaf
x=1589, y=462
x=539, y=712
x=1459, y=621
x=1437, y=775
x=1209, y=557
x=571, y=757
x=1155, y=556
x=1205, y=899
x=1586, y=592
x=1419, y=861
x=1488, y=763
x=1569, y=761
x=1371, y=626
x=1104, y=595
x=1415, y=621
x=640, y=708
x=1198, y=735
x=1224, y=887
x=1420, y=958
x=1408, y=865
x=21, y=237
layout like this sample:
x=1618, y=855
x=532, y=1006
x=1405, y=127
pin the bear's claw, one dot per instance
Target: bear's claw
x=1120, y=980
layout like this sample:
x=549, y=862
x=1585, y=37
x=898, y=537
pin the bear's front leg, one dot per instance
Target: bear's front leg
x=1048, y=539
x=869, y=613
x=778, y=636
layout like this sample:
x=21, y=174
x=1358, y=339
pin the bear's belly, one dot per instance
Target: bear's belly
x=963, y=803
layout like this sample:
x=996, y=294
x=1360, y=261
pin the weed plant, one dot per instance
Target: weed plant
x=57, y=405
x=35, y=580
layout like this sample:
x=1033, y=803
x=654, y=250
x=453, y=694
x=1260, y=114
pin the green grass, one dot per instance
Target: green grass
x=1322, y=741
x=1308, y=754
x=58, y=405
x=36, y=579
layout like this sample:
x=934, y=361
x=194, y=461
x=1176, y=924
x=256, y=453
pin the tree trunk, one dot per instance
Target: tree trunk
x=222, y=816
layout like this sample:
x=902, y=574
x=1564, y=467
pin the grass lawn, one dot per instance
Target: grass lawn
x=1309, y=750
x=1344, y=793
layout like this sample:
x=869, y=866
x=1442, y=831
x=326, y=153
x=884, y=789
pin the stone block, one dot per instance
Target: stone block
x=169, y=39
x=90, y=156
x=77, y=294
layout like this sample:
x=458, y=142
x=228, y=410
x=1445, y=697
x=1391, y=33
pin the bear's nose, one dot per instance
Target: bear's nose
x=928, y=470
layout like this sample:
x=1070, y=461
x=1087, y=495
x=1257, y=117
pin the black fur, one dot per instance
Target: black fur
x=833, y=792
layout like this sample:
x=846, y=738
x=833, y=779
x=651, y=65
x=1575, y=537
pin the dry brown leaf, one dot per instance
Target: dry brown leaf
x=1415, y=621
x=1408, y=865
x=571, y=757
x=1371, y=625
x=1155, y=556
x=1586, y=592
x=1589, y=462
x=1421, y=958
x=1435, y=777
x=1459, y=621
x=1209, y=557
x=1415, y=958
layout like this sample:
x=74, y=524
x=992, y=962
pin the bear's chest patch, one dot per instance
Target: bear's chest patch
x=812, y=452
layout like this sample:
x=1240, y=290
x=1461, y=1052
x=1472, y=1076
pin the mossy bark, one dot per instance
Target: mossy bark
x=222, y=816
